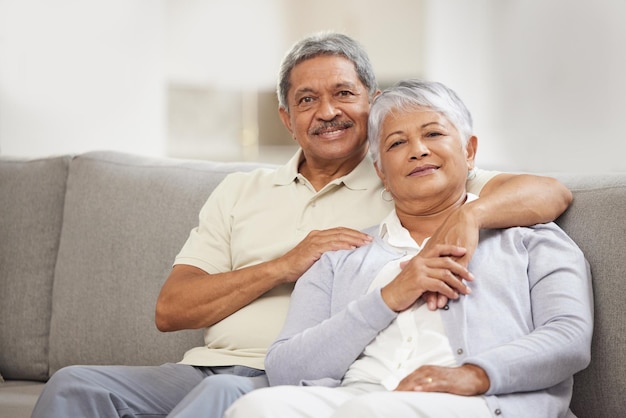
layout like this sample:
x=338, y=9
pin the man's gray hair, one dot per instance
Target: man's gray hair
x=417, y=94
x=325, y=43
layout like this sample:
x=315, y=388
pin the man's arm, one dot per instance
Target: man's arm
x=192, y=298
x=507, y=200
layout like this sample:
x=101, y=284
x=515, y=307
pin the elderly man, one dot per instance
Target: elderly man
x=260, y=231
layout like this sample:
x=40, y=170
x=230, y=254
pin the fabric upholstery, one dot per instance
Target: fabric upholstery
x=86, y=242
x=596, y=220
x=126, y=217
x=31, y=210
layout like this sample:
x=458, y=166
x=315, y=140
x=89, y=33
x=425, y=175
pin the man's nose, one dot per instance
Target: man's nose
x=328, y=109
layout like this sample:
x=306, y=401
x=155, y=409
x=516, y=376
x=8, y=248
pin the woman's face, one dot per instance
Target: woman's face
x=422, y=158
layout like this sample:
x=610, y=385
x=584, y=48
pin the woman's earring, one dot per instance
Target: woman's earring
x=383, y=195
x=471, y=174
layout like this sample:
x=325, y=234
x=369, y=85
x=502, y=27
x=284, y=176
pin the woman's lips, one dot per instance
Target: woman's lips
x=423, y=170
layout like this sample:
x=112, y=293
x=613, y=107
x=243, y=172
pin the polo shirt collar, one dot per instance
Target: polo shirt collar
x=361, y=178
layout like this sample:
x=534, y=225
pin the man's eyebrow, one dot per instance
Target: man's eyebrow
x=302, y=91
x=346, y=84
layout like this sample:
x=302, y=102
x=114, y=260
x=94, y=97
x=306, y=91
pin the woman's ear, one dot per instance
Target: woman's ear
x=381, y=175
x=470, y=151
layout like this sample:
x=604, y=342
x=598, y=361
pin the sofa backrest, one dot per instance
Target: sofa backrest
x=126, y=217
x=86, y=243
x=596, y=220
x=31, y=213
x=78, y=234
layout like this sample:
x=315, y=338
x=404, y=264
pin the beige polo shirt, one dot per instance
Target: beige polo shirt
x=258, y=216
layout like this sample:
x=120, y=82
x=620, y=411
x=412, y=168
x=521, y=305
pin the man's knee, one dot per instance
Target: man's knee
x=68, y=377
x=226, y=385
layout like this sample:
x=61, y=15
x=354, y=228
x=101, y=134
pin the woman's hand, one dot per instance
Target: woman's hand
x=431, y=270
x=465, y=380
x=461, y=229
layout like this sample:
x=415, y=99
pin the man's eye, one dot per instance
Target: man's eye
x=345, y=93
x=307, y=99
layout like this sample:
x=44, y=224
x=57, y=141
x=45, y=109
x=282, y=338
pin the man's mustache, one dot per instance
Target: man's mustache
x=330, y=126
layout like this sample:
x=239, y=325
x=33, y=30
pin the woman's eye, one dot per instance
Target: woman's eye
x=396, y=143
x=433, y=134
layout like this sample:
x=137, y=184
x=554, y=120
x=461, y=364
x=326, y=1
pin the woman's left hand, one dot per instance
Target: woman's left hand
x=465, y=380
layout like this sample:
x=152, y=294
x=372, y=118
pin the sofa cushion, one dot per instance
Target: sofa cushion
x=126, y=218
x=596, y=220
x=31, y=211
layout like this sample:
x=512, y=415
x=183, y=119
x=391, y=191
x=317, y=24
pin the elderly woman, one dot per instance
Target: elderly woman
x=358, y=340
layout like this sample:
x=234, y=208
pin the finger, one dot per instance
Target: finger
x=456, y=269
x=427, y=384
x=442, y=301
x=347, y=235
x=432, y=300
x=445, y=250
x=454, y=283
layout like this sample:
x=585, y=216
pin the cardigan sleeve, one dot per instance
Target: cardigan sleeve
x=320, y=340
x=562, y=313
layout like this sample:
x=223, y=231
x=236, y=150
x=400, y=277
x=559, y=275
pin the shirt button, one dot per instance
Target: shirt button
x=497, y=412
x=459, y=351
x=408, y=340
x=445, y=308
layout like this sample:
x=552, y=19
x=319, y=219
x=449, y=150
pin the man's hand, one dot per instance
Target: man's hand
x=461, y=229
x=432, y=269
x=465, y=380
x=316, y=243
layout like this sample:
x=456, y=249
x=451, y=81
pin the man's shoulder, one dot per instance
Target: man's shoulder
x=256, y=176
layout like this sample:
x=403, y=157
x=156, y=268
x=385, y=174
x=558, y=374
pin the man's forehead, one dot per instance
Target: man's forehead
x=325, y=71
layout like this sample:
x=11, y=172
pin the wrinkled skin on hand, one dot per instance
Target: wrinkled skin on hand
x=460, y=229
x=431, y=270
x=317, y=242
x=465, y=380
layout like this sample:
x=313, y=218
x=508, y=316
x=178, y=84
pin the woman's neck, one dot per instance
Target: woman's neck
x=424, y=225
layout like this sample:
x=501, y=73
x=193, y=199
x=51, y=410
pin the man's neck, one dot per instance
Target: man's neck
x=320, y=173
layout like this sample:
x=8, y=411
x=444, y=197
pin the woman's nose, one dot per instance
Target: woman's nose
x=419, y=149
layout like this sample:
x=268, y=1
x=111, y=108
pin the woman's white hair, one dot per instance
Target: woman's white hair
x=417, y=94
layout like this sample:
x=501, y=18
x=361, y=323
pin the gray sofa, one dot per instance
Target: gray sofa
x=86, y=242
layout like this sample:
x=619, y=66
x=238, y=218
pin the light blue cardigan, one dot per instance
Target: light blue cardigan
x=528, y=322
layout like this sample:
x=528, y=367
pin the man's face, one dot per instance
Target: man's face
x=328, y=109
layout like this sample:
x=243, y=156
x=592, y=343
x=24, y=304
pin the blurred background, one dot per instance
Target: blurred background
x=544, y=79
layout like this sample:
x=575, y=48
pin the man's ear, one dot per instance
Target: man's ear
x=286, y=119
x=470, y=151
